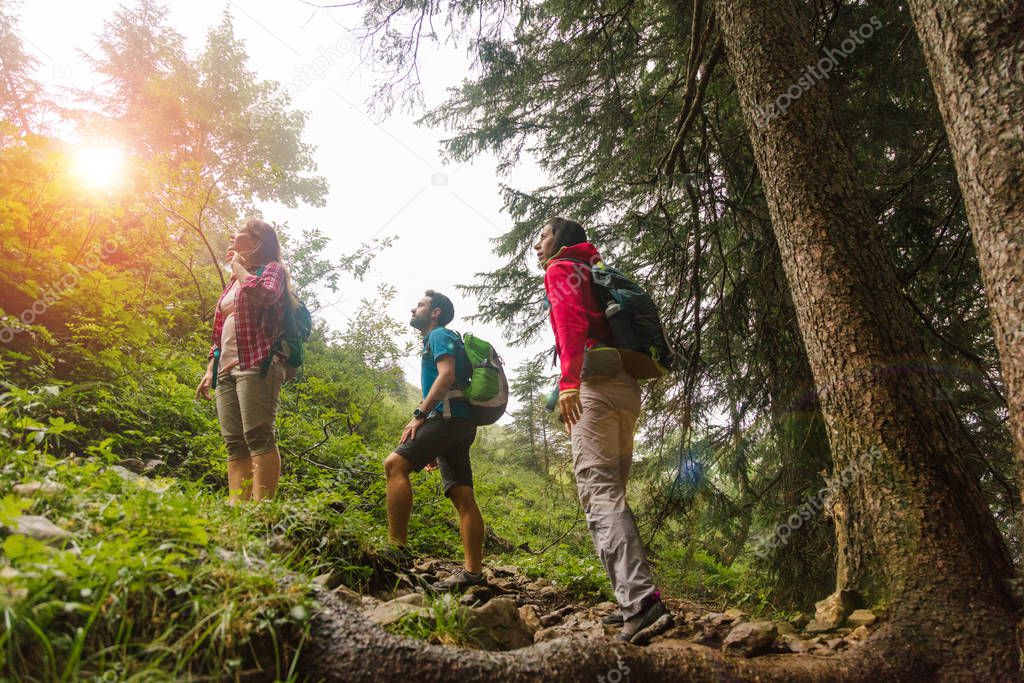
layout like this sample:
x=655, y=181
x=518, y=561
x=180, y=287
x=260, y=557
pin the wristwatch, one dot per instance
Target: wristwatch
x=419, y=414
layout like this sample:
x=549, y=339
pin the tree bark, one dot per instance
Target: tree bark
x=903, y=498
x=975, y=53
x=344, y=647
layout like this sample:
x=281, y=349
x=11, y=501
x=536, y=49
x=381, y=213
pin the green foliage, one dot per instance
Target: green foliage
x=448, y=623
x=158, y=576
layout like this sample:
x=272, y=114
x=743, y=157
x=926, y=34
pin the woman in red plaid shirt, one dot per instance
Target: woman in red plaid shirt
x=246, y=369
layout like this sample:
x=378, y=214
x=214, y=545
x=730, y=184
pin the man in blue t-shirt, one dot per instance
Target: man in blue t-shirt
x=439, y=434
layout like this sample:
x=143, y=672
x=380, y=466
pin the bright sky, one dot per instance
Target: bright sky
x=386, y=177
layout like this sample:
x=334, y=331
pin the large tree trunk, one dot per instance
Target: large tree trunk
x=345, y=648
x=904, y=499
x=975, y=53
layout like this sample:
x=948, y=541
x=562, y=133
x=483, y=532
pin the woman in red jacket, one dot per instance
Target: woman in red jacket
x=246, y=368
x=599, y=402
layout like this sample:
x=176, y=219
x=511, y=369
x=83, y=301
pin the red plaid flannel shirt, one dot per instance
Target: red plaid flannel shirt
x=259, y=315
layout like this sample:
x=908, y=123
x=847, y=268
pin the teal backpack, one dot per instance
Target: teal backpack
x=298, y=325
x=636, y=327
x=487, y=392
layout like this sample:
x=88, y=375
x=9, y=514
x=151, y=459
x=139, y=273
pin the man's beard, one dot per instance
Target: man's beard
x=419, y=323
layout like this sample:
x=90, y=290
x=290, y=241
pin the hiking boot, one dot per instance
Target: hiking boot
x=459, y=581
x=613, y=618
x=653, y=620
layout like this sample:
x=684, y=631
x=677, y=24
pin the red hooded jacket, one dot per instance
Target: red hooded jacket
x=576, y=318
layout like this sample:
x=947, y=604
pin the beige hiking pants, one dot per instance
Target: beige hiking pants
x=602, y=448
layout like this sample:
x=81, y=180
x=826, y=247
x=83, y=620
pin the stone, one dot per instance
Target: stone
x=796, y=644
x=417, y=599
x=476, y=595
x=814, y=626
x=861, y=617
x=750, y=638
x=838, y=644
x=506, y=571
x=498, y=625
x=136, y=465
x=716, y=618
x=530, y=617
x=31, y=488
x=389, y=612
x=546, y=634
x=784, y=628
x=736, y=614
x=124, y=473
x=152, y=464
x=351, y=597
x=859, y=633
x=833, y=610
x=556, y=616
x=800, y=620
x=604, y=607
x=39, y=528
x=330, y=580
x=548, y=592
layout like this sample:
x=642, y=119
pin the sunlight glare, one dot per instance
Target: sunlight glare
x=98, y=167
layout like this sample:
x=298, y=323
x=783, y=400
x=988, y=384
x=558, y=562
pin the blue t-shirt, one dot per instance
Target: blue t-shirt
x=443, y=342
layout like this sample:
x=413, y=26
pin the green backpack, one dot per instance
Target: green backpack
x=487, y=392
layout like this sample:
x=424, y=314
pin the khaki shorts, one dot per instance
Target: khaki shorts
x=247, y=407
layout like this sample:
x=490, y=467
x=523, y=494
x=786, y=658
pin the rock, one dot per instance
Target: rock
x=796, y=644
x=417, y=599
x=736, y=614
x=833, y=610
x=39, y=528
x=152, y=464
x=136, y=465
x=605, y=607
x=784, y=628
x=499, y=626
x=546, y=634
x=548, y=592
x=476, y=595
x=393, y=610
x=838, y=644
x=351, y=597
x=800, y=620
x=691, y=617
x=556, y=616
x=330, y=580
x=538, y=585
x=859, y=633
x=506, y=571
x=124, y=473
x=428, y=565
x=717, y=618
x=528, y=613
x=814, y=626
x=30, y=488
x=750, y=638
x=861, y=617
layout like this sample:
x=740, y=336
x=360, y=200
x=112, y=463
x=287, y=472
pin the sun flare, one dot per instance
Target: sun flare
x=98, y=167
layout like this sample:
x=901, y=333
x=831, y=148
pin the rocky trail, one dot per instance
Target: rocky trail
x=513, y=611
